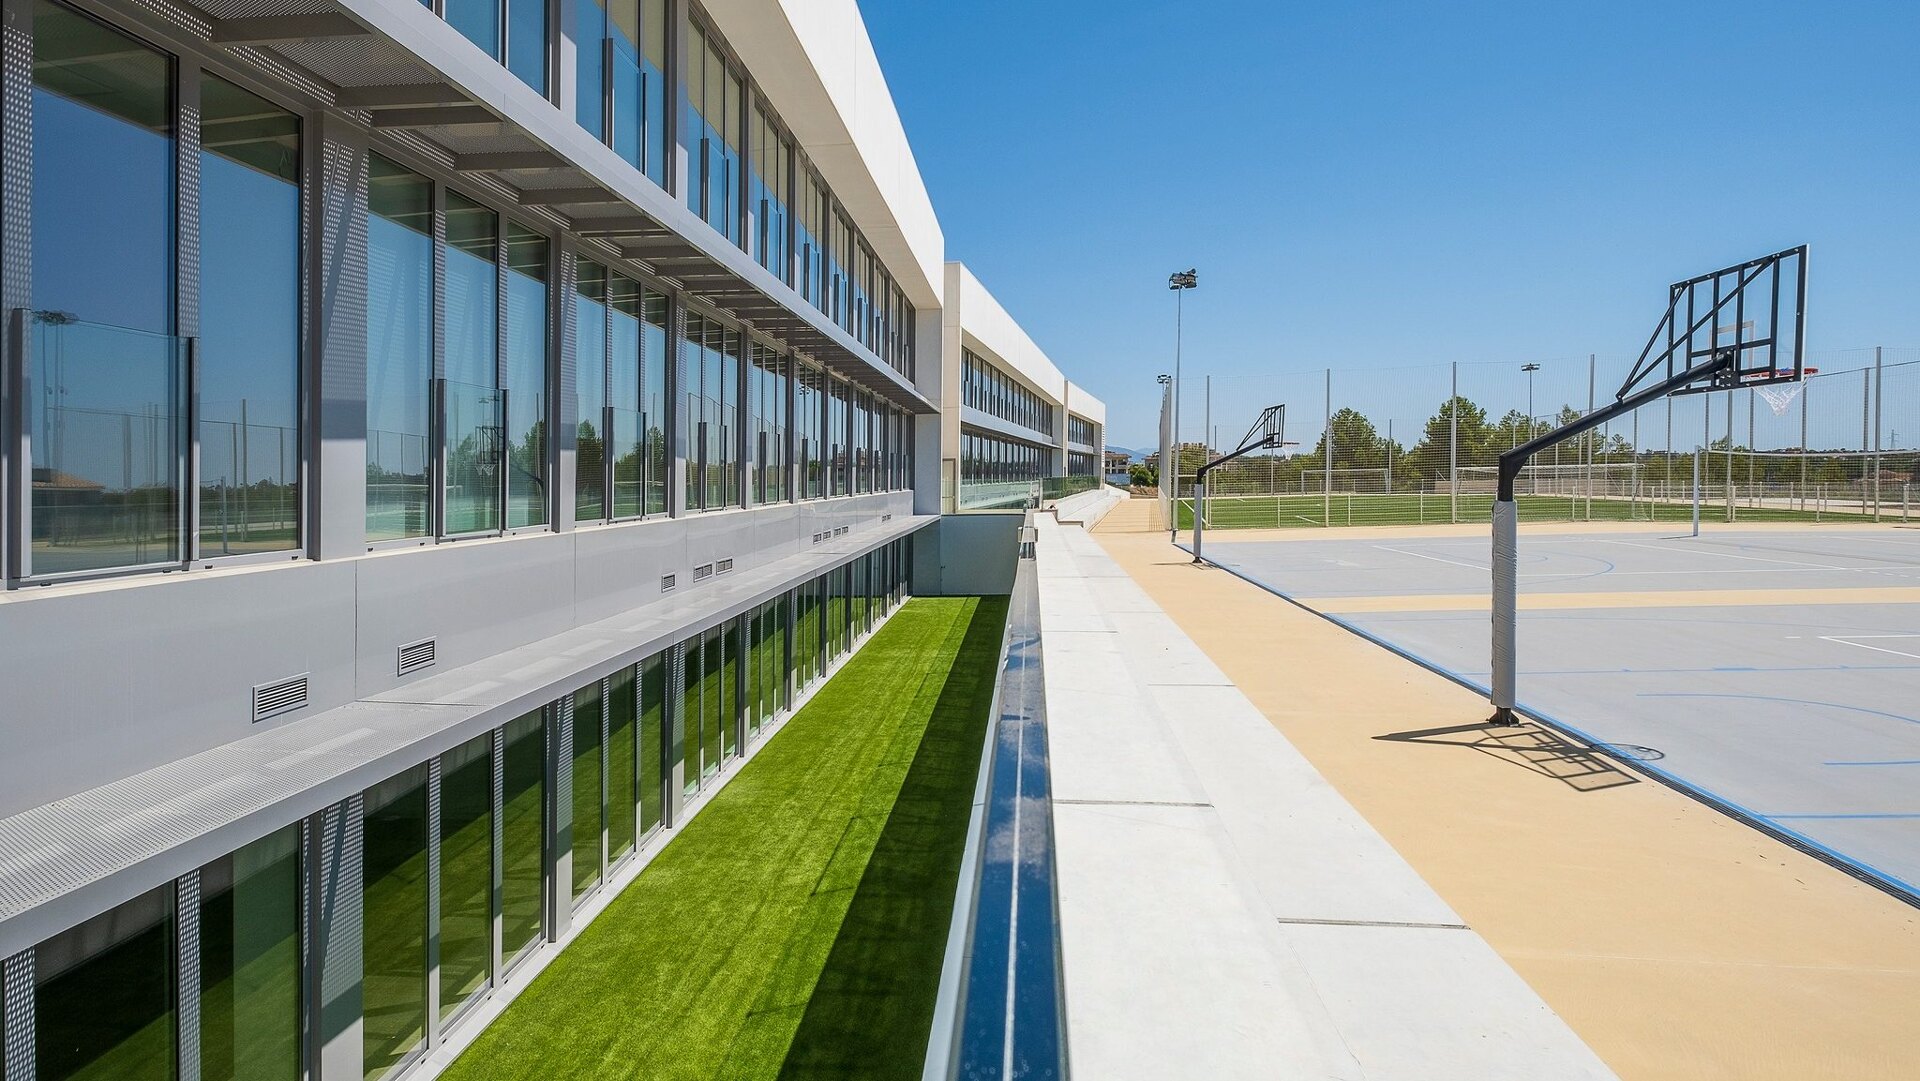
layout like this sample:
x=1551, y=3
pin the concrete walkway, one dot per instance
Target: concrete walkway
x=1676, y=942
x=1225, y=914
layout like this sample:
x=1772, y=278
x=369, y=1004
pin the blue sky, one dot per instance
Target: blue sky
x=1378, y=184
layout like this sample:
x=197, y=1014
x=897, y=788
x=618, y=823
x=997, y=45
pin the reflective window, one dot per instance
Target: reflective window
x=637, y=85
x=250, y=962
x=589, y=793
x=589, y=30
x=399, y=349
x=103, y=996
x=528, y=260
x=394, y=920
x=623, y=381
x=466, y=872
x=523, y=828
x=768, y=155
x=527, y=42
x=715, y=123
x=475, y=423
x=108, y=423
x=623, y=709
x=478, y=21
x=249, y=348
x=810, y=428
x=653, y=400
x=590, y=389
x=653, y=728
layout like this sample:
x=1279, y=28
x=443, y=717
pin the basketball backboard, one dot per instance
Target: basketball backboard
x=1753, y=314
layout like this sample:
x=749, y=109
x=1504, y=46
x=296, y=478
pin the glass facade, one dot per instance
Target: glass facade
x=466, y=872
x=716, y=130
x=103, y=996
x=529, y=266
x=710, y=409
x=394, y=921
x=985, y=387
x=991, y=458
x=1080, y=430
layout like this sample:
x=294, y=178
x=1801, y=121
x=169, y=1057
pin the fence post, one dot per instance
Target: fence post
x=1592, y=360
x=1326, y=444
x=1879, y=384
x=1453, y=447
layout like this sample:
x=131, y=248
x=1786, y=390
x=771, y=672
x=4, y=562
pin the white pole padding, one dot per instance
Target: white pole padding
x=1506, y=588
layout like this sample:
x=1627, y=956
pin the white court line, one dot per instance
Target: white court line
x=1731, y=555
x=1851, y=640
x=1436, y=559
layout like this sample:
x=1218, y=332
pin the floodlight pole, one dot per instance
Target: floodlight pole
x=1506, y=518
x=1179, y=282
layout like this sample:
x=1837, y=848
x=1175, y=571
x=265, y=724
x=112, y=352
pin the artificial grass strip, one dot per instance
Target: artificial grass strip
x=796, y=927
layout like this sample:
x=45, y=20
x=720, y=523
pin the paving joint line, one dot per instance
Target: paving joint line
x=1308, y=921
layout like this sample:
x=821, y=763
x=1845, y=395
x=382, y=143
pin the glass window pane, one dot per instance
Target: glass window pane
x=399, y=349
x=653, y=691
x=588, y=788
x=589, y=107
x=711, y=702
x=466, y=871
x=394, y=920
x=249, y=349
x=478, y=21
x=103, y=996
x=527, y=42
x=109, y=418
x=730, y=690
x=623, y=366
x=692, y=719
x=622, y=710
x=653, y=402
x=250, y=962
x=590, y=389
x=526, y=382
x=523, y=829
x=103, y=237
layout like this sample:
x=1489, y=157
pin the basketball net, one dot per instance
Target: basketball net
x=1779, y=396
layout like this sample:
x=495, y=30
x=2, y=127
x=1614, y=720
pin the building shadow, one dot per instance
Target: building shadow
x=872, y=1008
x=1532, y=748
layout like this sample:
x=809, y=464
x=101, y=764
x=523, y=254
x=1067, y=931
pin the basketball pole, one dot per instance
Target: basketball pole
x=1506, y=520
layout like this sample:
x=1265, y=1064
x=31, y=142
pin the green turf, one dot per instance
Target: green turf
x=1415, y=508
x=795, y=928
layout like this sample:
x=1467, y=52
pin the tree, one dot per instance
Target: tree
x=1431, y=458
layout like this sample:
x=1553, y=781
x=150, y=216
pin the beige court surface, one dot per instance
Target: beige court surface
x=1677, y=942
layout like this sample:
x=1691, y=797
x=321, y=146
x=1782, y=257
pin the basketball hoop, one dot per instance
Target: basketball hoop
x=1777, y=395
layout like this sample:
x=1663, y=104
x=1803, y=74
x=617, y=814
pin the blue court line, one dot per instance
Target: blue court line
x=1888, y=762
x=1886, y=880
x=1778, y=817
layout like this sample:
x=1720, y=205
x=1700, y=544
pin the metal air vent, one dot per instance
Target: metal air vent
x=703, y=572
x=666, y=583
x=723, y=566
x=817, y=537
x=280, y=696
x=416, y=655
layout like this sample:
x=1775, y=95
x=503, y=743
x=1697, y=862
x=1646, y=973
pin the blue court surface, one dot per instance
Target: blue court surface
x=1776, y=671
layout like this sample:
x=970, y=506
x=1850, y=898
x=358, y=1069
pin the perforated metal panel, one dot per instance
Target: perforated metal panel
x=16, y=992
x=186, y=922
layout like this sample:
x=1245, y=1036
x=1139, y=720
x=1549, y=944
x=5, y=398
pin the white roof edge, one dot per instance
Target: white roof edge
x=815, y=62
x=987, y=328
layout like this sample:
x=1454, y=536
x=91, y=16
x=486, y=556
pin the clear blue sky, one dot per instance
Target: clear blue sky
x=1374, y=184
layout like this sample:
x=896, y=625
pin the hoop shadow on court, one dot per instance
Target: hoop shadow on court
x=1536, y=750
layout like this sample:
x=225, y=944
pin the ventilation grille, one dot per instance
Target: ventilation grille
x=280, y=696
x=818, y=537
x=416, y=655
x=703, y=572
x=723, y=566
x=666, y=583
x=886, y=517
x=841, y=531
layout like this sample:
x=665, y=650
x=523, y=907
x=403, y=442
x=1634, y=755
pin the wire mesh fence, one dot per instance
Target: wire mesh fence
x=1421, y=444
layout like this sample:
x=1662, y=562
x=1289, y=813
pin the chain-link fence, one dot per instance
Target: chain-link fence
x=1421, y=444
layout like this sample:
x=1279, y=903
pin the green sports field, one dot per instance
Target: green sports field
x=795, y=928
x=1417, y=508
